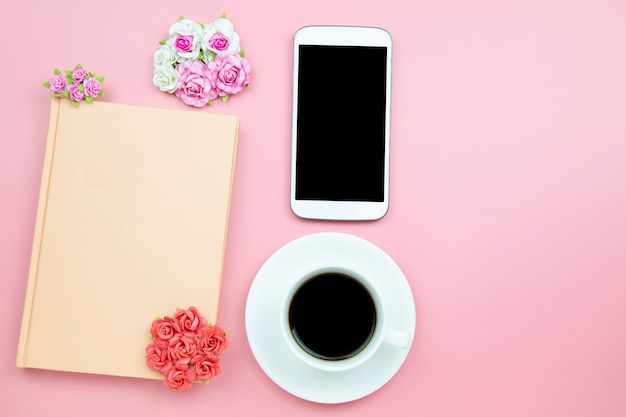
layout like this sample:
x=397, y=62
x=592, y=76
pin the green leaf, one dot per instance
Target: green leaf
x=91, y=74
x=101, y=94
x=100, y=78
x=163, y=41
x=79, y=66
x=66, y=94
x=80, y=87
x=224, y=98
x=74, y=103
x=223, y=16
x=88, y=99
x=57, y=72
x=242, y=53
x=181, y=17
x=210, y=103
x=46, y=84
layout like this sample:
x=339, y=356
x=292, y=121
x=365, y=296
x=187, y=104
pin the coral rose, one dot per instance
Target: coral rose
x=206, y=366
x=212, y=340
x=189, y=322
x=180, y=380
x=181, y=349
x=163, y=329
x=156, y=355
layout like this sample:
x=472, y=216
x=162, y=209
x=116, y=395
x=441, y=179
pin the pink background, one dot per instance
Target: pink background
x=508, y=198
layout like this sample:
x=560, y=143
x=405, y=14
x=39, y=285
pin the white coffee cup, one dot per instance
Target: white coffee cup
x=336, y=289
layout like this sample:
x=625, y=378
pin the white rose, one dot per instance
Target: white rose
x=165, y=55
x=220, y=36
x=166, y=78
x=184, y=38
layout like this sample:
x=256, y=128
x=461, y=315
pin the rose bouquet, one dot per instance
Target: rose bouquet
x=201, y=62
x=185, y=348
x=77, y=85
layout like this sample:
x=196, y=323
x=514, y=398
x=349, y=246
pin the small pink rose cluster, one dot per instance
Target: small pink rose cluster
x=185, y=348
x=201, y=62
x=77, y=85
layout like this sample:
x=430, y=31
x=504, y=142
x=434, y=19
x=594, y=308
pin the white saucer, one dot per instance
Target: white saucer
x=270, y=287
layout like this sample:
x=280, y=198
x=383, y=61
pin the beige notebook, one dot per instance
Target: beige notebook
x=131, y=224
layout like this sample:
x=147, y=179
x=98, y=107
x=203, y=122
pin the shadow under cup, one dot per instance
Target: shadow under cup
x=332, y=317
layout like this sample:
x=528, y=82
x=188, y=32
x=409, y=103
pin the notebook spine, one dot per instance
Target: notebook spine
x=22, y=352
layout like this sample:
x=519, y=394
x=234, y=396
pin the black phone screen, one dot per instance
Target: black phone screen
x=340, y=153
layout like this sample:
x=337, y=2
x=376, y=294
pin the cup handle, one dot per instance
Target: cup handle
x=397, y=338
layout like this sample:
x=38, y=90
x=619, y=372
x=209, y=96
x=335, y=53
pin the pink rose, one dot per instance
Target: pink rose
x=206, y=366
x=183, y=43
x=231, y=73
x=157, y=356
x=212, y=340
x=181, y=349
x=92, y=87
x=162, y=329
x=79, y=74
x=189, y=322
x=218, y=42
x=57, y=83
x=178, y=379
x=74, y=93
x=220, y=36
x=194, y=84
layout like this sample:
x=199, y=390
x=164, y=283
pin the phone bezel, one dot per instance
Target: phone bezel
x=340, y=36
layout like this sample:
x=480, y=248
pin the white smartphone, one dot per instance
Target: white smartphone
x=341, y=123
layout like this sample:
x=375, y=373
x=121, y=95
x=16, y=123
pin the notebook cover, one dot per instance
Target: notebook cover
x=131, y=224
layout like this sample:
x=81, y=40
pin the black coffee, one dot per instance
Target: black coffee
x=332, y=316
